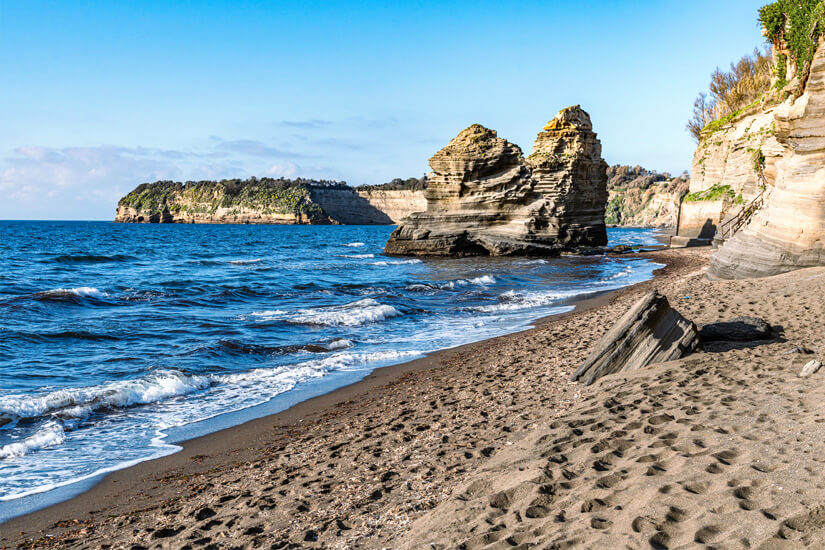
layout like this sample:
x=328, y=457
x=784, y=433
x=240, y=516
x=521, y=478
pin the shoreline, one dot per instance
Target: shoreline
x=241, y=442
x=318, y=401
x=124, y=490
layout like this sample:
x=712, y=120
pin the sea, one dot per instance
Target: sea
x=118, y=341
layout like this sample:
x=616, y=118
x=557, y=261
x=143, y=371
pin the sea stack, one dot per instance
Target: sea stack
x=485, y=199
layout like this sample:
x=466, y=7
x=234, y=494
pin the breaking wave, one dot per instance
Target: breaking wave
x=49, y=435
x=81, y=402
x=353, y=314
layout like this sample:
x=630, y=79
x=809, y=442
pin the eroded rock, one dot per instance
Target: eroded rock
x=789, y=231
x=650, y=332
x=485, y=198
x=740, y=329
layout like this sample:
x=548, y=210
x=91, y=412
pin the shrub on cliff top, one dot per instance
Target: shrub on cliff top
x=731, y=92
x=796, y=24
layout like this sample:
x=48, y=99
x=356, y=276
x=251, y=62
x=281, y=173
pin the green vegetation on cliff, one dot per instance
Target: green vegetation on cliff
x=795, y=26
x=714, y=193
x=731, y=94
x=639, y=197
x=266, y=195
x=397, y=184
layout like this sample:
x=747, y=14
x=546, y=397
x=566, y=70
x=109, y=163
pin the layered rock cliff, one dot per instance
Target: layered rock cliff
x=485, y=198
x=640, y=198
x=268, y=201
x=733, y=163
x=789, y=231
x=229, y=201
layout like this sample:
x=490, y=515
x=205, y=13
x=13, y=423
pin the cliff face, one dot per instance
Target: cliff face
x=266, y=202
x=731, y=166
x=396, y=204
x=789, y=231
x=251, y=201
x=639, y=198
x=485, y=198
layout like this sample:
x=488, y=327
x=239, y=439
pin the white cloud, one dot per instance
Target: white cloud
x=282, y=170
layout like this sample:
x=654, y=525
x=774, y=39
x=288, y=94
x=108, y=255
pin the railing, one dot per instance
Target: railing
x=735, y=223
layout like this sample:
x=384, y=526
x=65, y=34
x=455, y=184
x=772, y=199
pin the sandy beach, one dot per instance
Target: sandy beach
x=491, y=446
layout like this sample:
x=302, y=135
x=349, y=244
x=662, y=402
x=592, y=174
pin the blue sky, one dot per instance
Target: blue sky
x=97, y=97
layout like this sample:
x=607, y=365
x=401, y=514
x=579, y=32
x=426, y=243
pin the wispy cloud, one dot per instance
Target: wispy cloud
x=307, y=124
x=255, y=148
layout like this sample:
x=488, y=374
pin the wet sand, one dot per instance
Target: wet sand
x=490, y=446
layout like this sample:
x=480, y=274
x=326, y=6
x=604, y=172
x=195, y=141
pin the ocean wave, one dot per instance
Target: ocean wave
x=354, y=245
x=484, y=280
x=396, y=262
x=357, y=256
x=513, y=300
x=81, y=402
x=67, y=295
x=91, y=259
x=340, y=343
x=241, y=348
x=49, y=435
x=352, y=314
x=70, y=335
x=246, y=262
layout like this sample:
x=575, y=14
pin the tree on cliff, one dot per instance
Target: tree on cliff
x=732, y=90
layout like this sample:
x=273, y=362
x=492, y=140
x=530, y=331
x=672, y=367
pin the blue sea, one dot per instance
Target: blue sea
x=117, y=340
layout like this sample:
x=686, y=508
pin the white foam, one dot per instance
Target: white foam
x=484, y=280
x=49, y=435
x=246, y=262
x=354, y=245
x=79, y=291
x=352, y=314
x=341, y=343
x=357, y=256
x=395, y=262
x=513, y=300
x=80, y=402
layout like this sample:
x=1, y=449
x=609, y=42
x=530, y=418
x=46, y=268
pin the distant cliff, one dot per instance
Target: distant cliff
x=641, y=198
x=271, y=201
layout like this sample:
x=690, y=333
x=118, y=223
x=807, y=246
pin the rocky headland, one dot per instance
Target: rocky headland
x=485, y=198
x=758, y=181
x=271, y=201
x=789, y=231
x=637, y=197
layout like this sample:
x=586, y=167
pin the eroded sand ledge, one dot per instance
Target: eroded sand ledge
x=491, y=447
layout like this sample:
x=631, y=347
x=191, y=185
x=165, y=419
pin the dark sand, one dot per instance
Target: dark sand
x=490, y=446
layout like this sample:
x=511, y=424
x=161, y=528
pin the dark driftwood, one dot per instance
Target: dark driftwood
x=650, y=332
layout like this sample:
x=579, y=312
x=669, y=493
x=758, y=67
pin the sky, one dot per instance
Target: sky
x=98, y=97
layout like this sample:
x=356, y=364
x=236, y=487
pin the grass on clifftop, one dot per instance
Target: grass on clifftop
x=715, y=193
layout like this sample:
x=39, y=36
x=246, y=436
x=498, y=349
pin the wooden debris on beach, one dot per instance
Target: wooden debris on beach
x=650, y=332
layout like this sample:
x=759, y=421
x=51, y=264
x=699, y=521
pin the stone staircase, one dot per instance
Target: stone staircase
x=734, y=223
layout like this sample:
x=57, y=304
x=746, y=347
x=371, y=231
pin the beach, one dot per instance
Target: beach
x=491, y=446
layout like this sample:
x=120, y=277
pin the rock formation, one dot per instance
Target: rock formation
x=640, y=198
x=740, y=329
x=268, y=201
x=731, y=166
x=485, y=198
x=789, y=231
x=650, y=332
